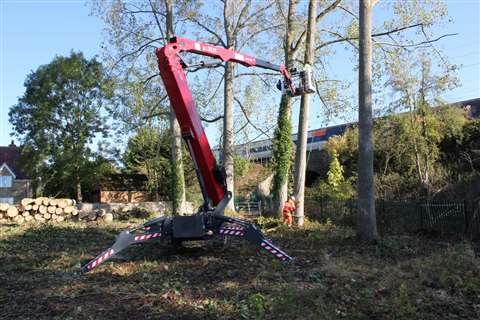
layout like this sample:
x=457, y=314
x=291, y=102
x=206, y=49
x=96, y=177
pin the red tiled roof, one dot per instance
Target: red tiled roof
x=10, y=155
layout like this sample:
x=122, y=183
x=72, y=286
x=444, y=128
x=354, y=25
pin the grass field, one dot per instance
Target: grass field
x=334, y=277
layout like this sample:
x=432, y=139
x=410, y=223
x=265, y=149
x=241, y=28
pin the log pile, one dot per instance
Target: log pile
x=40, y=209
x=109, y=215
x=97, y=215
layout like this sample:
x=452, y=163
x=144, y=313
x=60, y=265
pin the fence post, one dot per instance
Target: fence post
x=350, y=202
x=260, y=208
x=382, y=215
x=466, y=213
x=420, y=214
x=321, y=208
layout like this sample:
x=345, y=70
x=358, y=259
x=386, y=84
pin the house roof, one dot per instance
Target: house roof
x=5, y=166
x=10, y=156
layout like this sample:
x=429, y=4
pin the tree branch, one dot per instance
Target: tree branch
x=342, y=38
x=259, y=135
x=243, y=12
x=146, y=81
x=141, y=10
x=317, y=19
x=243, y=127
x=157, y=21
x=256, y=33
x=216, y=35
x=138, y=51
x=158, y=113
x=348, y=11
x=214, y=93
x=211, y=120
x=248, y=119
x=435, y=49
x=257, y=74
x=254, y=15
x=379, y=34
x=280, y=9
x=321, y=98
x=211, y=66
x=415, y=44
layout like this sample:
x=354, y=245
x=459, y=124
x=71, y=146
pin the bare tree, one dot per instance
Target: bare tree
x=282, y=151
x=134, y=31
x=241, y=22
x=401, y=23
x=301, y=152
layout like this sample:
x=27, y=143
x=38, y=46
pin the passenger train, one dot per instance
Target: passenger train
x=261, y=150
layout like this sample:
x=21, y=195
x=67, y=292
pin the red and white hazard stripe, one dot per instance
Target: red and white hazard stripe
x=279, y=254
x=147, y=236
x=101, y=258
x=234, y=231
x=235, y=228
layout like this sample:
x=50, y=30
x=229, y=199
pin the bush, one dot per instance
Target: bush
x=137, y=213
x=240, y=166
x=336, y=186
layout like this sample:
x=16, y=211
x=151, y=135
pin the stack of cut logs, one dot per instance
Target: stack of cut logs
x=40, y=209
x=97, y=215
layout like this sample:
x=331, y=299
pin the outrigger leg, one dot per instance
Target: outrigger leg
x=250, y=232
x=148, y=231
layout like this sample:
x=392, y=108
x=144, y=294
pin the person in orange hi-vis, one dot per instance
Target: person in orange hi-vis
x=288, y=210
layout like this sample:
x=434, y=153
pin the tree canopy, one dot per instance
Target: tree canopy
x=59, y=118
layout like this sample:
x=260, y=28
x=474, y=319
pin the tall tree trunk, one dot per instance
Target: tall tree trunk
x=228, y=133
x=282, y=150
x=228, y=138
x=177, y=177
x=301, y=152
x=282, y=155
x=78, y=186
x=423, y=119
x=366, y=220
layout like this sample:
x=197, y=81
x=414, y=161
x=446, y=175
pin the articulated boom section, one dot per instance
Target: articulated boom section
x=209, y=221
x=171, y=70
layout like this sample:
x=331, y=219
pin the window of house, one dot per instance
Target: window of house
x=6, y=200
x=5, y=181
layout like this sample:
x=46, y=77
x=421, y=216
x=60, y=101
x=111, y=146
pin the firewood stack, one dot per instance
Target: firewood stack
x=97, y=215
x=40, y=209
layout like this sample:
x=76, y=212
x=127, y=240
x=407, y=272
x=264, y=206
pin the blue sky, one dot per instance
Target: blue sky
x=33, y=32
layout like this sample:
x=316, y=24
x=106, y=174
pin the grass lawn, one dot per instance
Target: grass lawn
x=333, y=277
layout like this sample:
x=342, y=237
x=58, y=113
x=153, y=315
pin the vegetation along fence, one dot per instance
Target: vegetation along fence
x=439, y=217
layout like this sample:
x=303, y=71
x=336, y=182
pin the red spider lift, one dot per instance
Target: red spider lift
x=209, y=220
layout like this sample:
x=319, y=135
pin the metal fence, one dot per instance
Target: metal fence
x=249, y=208
x=442, y=217
x=473, y=220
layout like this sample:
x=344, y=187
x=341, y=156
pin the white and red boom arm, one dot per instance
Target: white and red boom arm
x=211, y=177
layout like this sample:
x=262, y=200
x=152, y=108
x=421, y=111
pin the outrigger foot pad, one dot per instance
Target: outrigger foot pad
x=200, y=226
